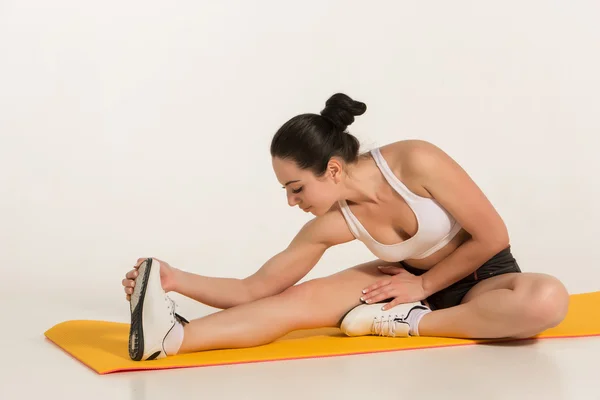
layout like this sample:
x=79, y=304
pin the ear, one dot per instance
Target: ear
x=335, y=169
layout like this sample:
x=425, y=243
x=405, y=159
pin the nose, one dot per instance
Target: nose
x=292, y=200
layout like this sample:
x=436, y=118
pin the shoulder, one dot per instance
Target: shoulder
x=430, y=169
x=409, y=155
x=329, y=229
x=418, y=159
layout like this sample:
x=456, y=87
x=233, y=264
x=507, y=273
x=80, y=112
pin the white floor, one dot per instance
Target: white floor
x=34, y=368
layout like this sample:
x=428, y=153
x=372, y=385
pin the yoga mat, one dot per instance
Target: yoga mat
x=102, y=345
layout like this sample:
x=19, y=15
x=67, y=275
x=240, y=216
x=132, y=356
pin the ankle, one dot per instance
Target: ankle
x=414, y=320
x=423, y=326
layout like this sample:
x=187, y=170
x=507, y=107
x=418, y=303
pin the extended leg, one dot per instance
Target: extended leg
x=318, y=303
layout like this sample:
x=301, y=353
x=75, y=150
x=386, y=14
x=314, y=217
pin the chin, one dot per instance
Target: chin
x=315, y=211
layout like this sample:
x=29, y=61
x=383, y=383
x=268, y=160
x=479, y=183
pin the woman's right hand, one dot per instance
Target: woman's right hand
x=167, y=277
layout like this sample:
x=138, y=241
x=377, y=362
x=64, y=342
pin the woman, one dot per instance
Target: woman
x=444, y=265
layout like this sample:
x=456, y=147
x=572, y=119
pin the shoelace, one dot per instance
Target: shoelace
x=172, y=306
x=173, y=310
x=385, y=326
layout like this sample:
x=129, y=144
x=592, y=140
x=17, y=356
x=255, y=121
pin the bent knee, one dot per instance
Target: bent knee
x=302, y=292
x=547, y=302
x=317, y=303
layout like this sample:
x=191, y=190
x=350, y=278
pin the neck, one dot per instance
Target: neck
x=363, y=183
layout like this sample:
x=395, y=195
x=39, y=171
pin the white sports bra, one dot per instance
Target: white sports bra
x=436, y=226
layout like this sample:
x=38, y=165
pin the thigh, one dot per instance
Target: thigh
x=505, y=281
x=327, y=300
x=527, y=283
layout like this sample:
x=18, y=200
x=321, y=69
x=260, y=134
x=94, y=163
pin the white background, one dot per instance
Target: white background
x=133, y=129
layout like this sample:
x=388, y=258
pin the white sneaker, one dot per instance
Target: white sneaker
x=370, y=319
x=153, y=314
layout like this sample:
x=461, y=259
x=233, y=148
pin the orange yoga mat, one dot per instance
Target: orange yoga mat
x=102, y=345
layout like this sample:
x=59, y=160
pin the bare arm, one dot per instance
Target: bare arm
x=292, y=264
x=454, y=189
x=213, y=291
x=280, y=272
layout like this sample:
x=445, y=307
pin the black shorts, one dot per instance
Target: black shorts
x=501, y=263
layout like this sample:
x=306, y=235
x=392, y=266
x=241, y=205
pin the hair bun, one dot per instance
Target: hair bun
x=340, y=109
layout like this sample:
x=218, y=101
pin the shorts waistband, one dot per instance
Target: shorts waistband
x=502, y=259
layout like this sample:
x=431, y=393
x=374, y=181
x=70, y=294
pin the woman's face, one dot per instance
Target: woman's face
x=303, y=189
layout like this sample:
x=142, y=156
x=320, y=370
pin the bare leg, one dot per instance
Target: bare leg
x=318, y=303
x=516, y=305
x=511, y=305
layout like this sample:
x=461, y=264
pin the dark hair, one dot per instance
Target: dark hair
x=312, y=139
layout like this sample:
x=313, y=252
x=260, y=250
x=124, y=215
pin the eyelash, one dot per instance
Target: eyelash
x=297, y=190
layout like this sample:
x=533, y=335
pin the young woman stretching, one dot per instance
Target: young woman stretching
x=444, y=265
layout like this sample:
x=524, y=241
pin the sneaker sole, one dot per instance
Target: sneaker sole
x=136, y=332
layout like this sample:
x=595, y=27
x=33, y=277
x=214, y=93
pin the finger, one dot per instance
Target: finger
x=391, y=304
x=379, y=295
x=377, y=285
x=132, y=274
x=376, y=292
x=140, y=261
x=128, y=297
x=390, y=269
x=379, y=298
x=128, y=283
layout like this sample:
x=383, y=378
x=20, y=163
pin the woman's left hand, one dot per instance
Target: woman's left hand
x=402, y=286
